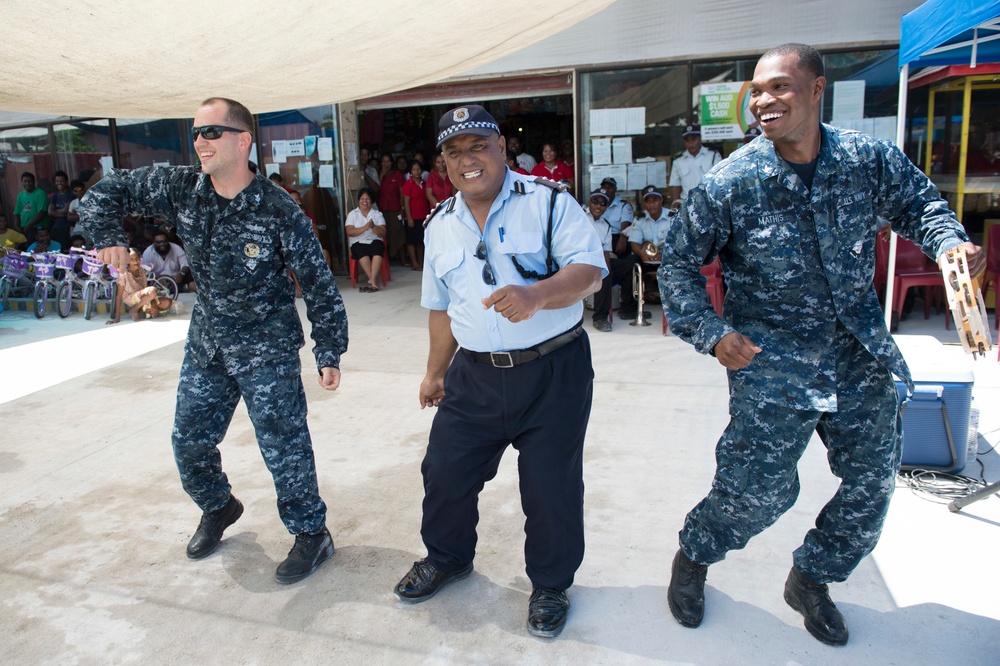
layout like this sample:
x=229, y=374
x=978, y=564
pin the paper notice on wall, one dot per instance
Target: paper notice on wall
x=617, y=122
x=325, y=147
x=271, y=169
x=305, y=173
x=656, y=174
x=296, y=148
x=107, y=164
x=636, y=177
x=326, y=175
x=253, y=152
x=619, y=172
x=622, y=149
x=848, y=100
x=601, y=149
x=279, y=151
x=351, y=149
x=598, y=173
x=310, y=145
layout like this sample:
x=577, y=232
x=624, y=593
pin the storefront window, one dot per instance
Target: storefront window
x=301, y=146
x=83, y=149
x=877, y=69
x=664, y=95
x=144, y=142
x=23, y=150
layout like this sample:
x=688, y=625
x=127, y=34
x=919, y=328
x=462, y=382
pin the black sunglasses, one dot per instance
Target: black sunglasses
x=213, y=132
x=488, y=276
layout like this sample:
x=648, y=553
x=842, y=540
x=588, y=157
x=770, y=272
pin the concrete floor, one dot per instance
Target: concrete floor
x=93, y=520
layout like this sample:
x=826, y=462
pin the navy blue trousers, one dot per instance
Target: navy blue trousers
x=541, y=408
x=276, y=403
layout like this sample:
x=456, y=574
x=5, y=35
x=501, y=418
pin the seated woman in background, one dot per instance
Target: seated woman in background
x=365, y=231
x=135, y=295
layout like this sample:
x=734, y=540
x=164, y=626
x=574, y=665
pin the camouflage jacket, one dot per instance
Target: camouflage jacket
x=796, y=261
x=239, y=260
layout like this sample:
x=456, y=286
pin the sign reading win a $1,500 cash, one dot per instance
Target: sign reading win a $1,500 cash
x=725, y=110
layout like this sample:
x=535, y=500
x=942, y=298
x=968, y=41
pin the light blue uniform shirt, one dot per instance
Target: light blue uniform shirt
x=646, y=229
x=453, y=276
x=619, y=212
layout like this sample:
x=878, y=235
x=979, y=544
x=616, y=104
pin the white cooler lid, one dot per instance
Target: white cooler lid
x=931, y=361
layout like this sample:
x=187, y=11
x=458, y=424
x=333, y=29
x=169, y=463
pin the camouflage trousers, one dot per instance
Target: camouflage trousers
x=276, y=403
x=756, y=478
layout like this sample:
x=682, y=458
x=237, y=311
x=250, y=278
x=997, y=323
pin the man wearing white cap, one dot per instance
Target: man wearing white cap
x=693, y=163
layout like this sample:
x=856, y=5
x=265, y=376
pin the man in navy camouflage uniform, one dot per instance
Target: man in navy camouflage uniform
x=509, y=364
x=241, y=234
x=792, y=216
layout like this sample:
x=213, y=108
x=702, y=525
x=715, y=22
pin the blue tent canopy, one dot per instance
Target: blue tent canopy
x=950, y=32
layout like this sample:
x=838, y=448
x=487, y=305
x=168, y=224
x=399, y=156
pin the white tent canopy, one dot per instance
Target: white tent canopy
x=161, y=58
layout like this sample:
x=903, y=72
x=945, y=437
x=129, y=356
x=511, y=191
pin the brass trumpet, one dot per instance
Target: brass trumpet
x=637, y=290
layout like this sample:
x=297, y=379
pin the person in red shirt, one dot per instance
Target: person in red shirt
x=438, y=186
x=551, y=166
x=390, y=204
x=415, y=208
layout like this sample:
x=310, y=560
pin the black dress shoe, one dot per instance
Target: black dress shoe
x=308, y=552
x=812, y=599
x=602, y=325
x=424, y=580
x=547, y=612
x=210, y=529
x=686, y=594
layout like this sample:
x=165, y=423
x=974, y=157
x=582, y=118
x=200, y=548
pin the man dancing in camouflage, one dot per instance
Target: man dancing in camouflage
x=241, y=234
x=792, y=216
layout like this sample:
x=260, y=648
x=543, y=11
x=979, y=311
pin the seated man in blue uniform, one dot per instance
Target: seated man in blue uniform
x=241, y=235
x=793, y=217
x=508, y=261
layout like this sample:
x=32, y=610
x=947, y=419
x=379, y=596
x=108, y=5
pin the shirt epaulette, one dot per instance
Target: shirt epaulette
x=519, y=186
x=441, y=204
x=554, y=184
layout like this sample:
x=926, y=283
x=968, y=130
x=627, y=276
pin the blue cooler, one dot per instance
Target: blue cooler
x=936, y=416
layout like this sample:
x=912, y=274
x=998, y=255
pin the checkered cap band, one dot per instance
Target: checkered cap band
x=461, y=127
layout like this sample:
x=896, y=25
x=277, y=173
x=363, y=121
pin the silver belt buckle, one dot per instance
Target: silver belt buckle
x=501, y=360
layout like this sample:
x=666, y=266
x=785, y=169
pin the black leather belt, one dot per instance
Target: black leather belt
x=508, y=359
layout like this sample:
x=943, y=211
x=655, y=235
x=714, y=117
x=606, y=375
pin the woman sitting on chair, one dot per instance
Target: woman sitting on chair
x=365, y=230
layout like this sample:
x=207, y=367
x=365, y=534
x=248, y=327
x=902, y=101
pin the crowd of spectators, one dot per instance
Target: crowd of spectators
x=398, y=192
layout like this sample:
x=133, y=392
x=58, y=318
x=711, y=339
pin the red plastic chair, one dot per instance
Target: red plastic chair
x=915, y=269
x=714, y=285
x=991, y=279
x=385, y=272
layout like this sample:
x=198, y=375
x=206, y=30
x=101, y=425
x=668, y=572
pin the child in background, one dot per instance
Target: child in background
x=135, y=295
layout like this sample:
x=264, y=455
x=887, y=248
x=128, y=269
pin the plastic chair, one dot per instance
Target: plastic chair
x=385, y=272
x=915, y=269
x=714, y=285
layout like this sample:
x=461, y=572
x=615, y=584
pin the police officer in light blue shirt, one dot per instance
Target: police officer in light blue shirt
x=620, y=214
x=508, y=261
x=652, y=226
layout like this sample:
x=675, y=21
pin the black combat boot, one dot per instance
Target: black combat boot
x=686, y=594
x=822, y=619
x=309, y=551
x=210, y=529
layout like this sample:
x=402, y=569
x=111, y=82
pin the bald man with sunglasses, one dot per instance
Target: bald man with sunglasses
x=241, y=235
